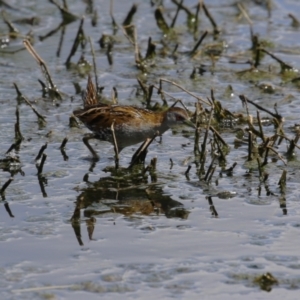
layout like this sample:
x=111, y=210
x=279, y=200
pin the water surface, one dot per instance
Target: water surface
x=119, y=246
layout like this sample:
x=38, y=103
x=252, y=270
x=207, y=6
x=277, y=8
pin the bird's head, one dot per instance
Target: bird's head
x=177, y=116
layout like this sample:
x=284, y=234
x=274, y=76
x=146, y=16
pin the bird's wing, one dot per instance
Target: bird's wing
x=91, y=115
x=130, y=115
x=102, y=116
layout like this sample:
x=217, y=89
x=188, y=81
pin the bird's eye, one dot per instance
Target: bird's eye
x=179, y=118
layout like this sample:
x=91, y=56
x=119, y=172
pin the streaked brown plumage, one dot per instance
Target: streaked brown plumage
x=132, y=124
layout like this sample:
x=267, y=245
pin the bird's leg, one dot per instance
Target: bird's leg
x=86, y=139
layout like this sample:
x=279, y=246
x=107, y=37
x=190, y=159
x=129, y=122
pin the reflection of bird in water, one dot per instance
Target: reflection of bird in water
x=127, y=196
x=132, y=124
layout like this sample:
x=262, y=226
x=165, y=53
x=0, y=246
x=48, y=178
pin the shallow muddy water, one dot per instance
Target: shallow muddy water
x=82, y=230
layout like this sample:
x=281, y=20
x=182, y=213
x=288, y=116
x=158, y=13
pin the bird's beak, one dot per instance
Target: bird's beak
x=189, y=123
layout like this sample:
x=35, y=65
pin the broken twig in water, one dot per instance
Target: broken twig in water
x=284, y=66
x=250, y=145
x=161, y=80
x=115, y=145
x=52, y=89
x=79, y=38
x=211, y=19
x=114, y=23
x=176, y=14
x=160, y=21
x=194, y=51
x=40, y=117
x=140, y=155
x=228, y=171
x=67, y=16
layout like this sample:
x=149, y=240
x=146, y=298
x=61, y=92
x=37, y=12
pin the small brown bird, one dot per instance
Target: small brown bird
x=132, y=124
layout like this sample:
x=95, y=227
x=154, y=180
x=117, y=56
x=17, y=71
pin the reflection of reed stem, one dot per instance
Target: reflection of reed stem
x=8, y=210
x=41, y=166
x=211, y=206
x=18, y=134
x=5, y=185
x=41, y=151
x=64, y=142
x=188, y=170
